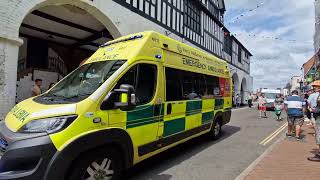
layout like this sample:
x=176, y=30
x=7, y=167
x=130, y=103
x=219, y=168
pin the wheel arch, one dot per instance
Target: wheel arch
x=218, y=117
x=223, y=117
x=62, y=160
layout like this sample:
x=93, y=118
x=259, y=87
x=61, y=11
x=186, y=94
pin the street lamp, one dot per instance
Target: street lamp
x=301, y=82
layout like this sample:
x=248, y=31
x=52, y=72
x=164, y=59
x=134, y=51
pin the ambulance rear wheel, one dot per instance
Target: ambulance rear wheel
x=98, y=164
x=215, y=131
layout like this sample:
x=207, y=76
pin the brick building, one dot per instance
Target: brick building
x=49, y=38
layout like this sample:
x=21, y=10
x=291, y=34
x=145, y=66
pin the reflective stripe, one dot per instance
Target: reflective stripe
x=67, y=109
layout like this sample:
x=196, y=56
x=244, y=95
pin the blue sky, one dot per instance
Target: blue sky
x=274, y=61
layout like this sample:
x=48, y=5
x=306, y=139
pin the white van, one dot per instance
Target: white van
x=270, y=95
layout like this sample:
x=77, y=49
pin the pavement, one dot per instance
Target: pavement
x=288, y=160
x=244, y=140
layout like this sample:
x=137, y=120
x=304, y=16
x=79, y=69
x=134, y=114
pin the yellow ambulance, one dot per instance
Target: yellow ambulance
x=135, y=97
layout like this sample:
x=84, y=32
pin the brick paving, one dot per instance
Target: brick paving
x=288, y=160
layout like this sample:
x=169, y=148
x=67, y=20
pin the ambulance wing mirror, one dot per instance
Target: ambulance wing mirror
x=123, y=98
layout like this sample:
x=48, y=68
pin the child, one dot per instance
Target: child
x=262, y=108
x=278, y=103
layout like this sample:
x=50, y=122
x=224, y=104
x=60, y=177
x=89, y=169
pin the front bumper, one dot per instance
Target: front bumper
x=24, y=156
x=269, y=105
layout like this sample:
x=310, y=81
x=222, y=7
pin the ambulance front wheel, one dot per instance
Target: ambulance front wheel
x=103, y=163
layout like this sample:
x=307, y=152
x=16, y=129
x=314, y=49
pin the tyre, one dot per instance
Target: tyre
x=215, y=131
x=100, y=164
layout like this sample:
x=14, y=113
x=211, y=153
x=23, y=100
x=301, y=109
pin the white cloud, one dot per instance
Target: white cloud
x=274, y=62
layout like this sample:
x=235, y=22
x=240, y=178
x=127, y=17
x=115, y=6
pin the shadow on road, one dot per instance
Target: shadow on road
x=152, y=168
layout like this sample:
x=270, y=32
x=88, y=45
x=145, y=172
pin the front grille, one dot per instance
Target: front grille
x=3, y=145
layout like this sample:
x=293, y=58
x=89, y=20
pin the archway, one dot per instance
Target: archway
x=244, y=91
x=235, y=82
x=57, y=38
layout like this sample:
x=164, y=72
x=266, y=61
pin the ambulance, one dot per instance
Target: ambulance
x=135, y=97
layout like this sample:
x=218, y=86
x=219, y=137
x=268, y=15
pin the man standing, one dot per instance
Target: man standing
x=250, y=100
x=36, y=89
x=312, y=102
x=295, y=106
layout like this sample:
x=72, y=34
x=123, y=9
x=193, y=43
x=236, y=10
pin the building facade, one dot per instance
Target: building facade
x=309, y=70
x=295, y=83
x=49, y=38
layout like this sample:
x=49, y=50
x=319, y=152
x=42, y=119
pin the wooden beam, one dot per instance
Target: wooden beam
x=49, y=32
x=104, y=33
x=59, y=35
x=53, y=42
x=62, y=21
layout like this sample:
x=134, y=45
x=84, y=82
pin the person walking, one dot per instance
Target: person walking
x=295, y=107
x=308, y=112
x=278, y=105
x=51, y=85
x=36, y=89
x=249, y=98
x=312, y=102
x=262, y=105
x=314, y=105
x=238, y=99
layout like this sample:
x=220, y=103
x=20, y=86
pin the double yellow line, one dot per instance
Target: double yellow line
x=274, y=134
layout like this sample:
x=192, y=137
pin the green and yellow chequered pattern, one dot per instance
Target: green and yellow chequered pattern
x=185, y=115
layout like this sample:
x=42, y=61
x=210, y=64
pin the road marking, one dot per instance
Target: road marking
x=273, y=135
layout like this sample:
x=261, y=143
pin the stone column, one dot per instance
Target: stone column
x=9, y=50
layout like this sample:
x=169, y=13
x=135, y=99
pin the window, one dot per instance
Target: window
x=192, y=16
x=214, y=10
x=227, y=44
x=184, y=85
x=239, y=55
x=143, y=78
x=85, y=80
x=174, y=89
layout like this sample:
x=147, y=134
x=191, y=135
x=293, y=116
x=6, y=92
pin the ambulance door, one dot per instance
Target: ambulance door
x=142, y=123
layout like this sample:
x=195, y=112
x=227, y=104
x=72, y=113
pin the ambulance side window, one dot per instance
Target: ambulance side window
x=143, y=78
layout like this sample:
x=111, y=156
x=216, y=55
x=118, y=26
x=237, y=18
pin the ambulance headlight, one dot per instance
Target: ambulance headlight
x=48, y=125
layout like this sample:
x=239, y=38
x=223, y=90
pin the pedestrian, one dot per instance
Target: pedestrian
x=308, y=112
x=262, y=105
x=51, y=85
x=234, y=102
x=315, y=110
x=295, y=107
x=249, y=98
x=36, y=89
x=278, y=105
x=312, y=102
x=238, y=99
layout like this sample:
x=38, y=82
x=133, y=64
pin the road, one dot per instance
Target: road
x=223, y=159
